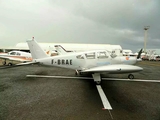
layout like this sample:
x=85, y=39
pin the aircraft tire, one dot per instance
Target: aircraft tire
x=98, y=82
x=10, y=64
x=131, y=76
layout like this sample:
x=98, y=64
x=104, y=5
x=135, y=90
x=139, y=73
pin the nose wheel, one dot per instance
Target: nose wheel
x=131, y=76
x=98, y=82
x=97, y=78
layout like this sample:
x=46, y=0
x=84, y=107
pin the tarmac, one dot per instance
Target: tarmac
x=23, y=98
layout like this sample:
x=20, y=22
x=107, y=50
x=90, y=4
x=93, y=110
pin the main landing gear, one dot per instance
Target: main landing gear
x=10, y=64
x=130, y=76
x=78, y=72
x=4, y=62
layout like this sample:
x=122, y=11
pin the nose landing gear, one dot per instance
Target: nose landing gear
x=97, y=78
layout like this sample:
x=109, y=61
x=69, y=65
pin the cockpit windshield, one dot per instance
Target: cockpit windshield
x=12, y=53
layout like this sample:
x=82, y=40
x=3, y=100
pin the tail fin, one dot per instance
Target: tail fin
x=60, y=50
x=36, y=51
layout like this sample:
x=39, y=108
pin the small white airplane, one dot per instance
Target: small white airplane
x=18, y=56
x=15, y=56
x=96, y=62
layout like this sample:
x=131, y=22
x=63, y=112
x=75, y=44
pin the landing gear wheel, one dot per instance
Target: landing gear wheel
x=9, y=64
x=130, y=76
x=98, y=82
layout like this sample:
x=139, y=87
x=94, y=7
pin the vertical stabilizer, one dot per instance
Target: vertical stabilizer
x=36, y=51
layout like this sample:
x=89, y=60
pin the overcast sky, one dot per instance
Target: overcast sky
x=119, y=22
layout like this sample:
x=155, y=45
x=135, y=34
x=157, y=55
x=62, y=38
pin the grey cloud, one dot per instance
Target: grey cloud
x=81, y=21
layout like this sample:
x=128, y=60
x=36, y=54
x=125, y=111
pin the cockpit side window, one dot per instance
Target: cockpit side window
x=79, y=57
x=101, y=55
x=18, y=54
x=13, y=53
x=90, y=55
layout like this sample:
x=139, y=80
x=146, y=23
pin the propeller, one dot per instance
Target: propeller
x=139, y=54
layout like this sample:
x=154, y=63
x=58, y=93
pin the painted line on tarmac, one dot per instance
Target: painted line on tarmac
x=130, y=80
x=89, y=78
x=103, y=97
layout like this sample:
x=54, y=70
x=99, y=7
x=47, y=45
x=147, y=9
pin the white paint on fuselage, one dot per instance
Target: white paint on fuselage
x=72, y=62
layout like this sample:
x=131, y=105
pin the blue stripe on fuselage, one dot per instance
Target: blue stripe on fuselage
x=102, y=63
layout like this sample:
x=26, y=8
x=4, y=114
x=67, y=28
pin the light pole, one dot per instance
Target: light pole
x=145, y=37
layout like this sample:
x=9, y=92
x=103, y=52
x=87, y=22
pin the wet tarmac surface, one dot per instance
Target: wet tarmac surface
x=24, y=98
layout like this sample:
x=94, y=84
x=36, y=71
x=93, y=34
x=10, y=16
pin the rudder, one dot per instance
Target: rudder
x=36, y=51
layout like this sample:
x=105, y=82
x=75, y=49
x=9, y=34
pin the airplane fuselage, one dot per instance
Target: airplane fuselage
x=82, y=61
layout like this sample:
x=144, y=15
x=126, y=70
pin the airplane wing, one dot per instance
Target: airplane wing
x=20, y=64
x=119, y=68
x=21, y=59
